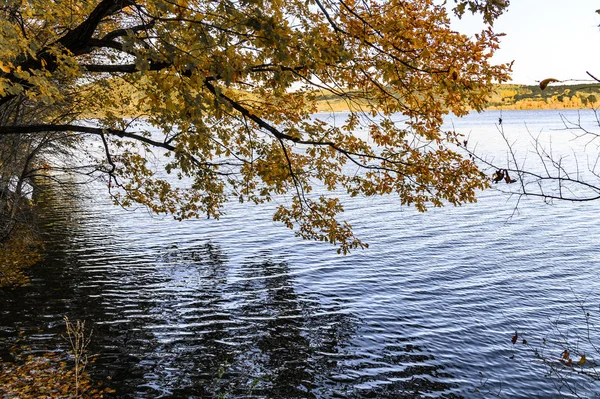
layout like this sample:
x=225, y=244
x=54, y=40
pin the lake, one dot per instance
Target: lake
x=241, y=307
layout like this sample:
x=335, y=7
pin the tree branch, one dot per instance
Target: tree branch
x=124, y=32
x=124, y=68
x=282, y=136
x=5, y=130
x=27, y=129
x=77, y=40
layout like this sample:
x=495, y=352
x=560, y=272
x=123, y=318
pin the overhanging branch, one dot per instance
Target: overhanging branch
x=282, y=136
x=32, y=129
x=123, y=68
x=6, y=130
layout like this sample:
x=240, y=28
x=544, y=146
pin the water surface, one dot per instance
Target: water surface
x=241, y=307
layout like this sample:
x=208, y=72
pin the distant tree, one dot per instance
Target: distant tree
x=230, y=88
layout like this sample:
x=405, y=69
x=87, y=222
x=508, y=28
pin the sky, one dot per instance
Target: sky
x=546, y=39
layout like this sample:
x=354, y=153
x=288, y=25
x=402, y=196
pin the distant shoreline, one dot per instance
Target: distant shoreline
x=512, y=97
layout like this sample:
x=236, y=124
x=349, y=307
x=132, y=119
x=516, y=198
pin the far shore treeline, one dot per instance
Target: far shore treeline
x=515, y=96
x=512, y=96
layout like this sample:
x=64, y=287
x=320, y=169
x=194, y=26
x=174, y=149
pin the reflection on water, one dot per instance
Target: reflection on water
x=240, y=307
x=182, y=321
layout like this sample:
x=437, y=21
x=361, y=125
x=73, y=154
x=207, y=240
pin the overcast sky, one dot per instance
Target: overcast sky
x=547, y=39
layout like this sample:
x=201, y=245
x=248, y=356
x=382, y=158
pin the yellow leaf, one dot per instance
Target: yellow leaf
x=582, y=360
x=4, y=67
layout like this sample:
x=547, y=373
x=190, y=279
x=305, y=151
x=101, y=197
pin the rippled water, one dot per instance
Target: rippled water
x=241, y=307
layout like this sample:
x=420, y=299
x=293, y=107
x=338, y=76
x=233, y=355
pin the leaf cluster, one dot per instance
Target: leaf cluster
x=45, y=375
x=229, y=89
x=21, y=251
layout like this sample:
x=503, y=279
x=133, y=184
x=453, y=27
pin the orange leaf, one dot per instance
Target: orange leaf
x=544, y=83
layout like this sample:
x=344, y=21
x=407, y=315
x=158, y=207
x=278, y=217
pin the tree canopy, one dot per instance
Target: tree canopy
x=227, y=91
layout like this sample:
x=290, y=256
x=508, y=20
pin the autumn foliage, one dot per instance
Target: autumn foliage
x=227, y=90
x=20, y=251
x=44, y=376
x=52, y=374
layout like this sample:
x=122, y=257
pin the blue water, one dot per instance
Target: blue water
x=241, y=307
